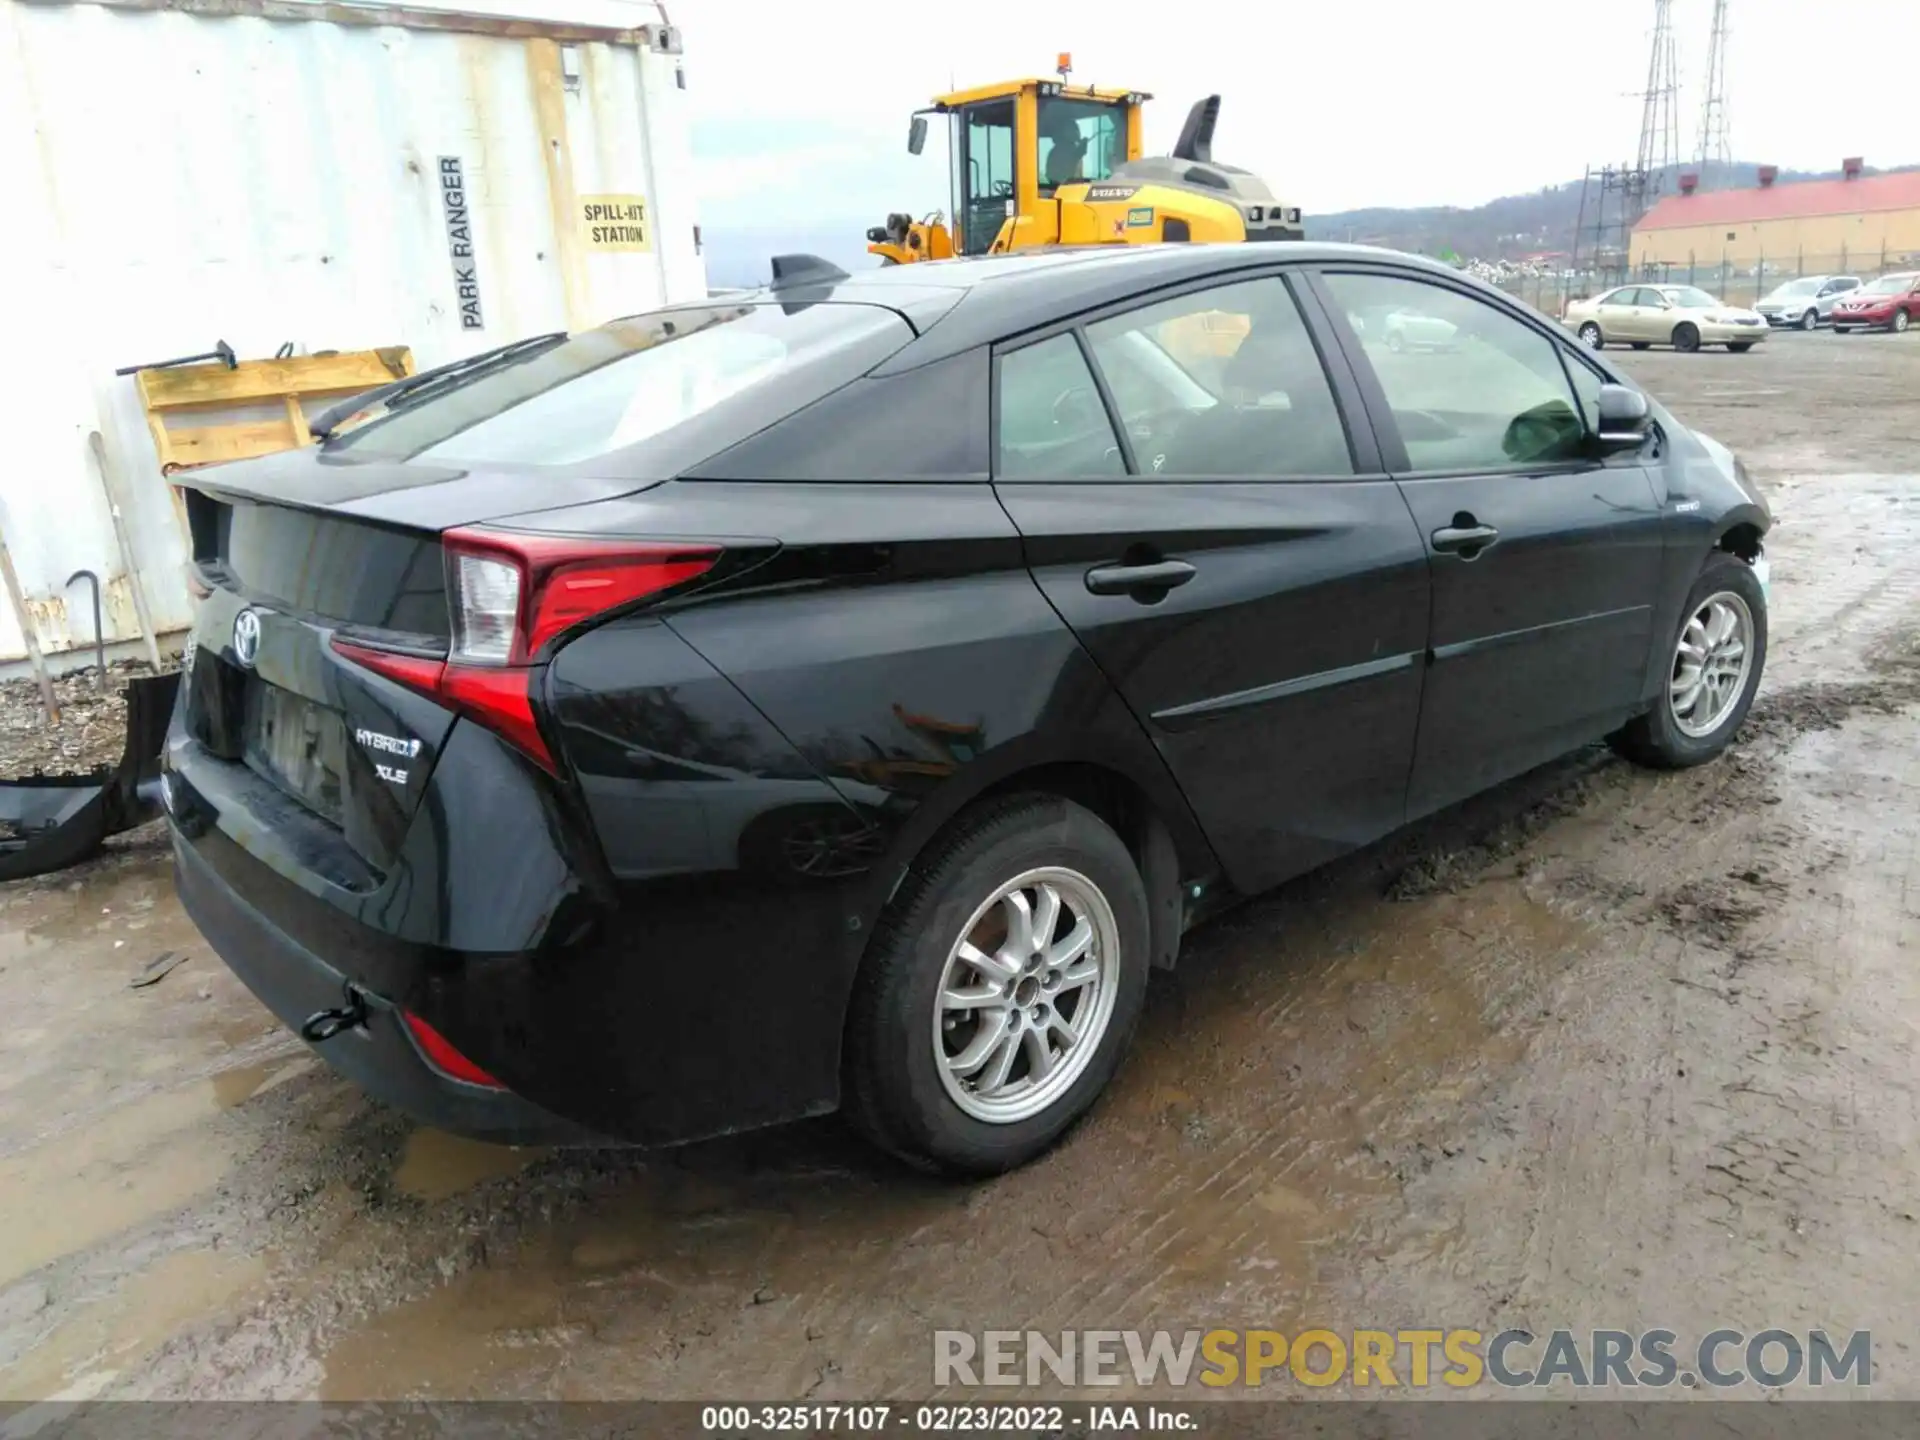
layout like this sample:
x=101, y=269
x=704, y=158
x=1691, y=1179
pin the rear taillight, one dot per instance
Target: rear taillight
x=443, y=1057
x=512, y=595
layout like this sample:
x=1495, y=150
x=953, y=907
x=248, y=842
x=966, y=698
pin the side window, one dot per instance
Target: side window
x=1223, y=382
x=1052, y=423
x=1479, y=390
x=1619, y=297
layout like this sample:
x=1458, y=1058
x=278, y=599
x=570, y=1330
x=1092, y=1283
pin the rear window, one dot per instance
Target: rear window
x=626, y=382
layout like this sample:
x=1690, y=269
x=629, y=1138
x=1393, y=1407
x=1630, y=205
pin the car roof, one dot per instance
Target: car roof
x=962, y=303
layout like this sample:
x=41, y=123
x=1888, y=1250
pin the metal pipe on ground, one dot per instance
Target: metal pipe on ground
x=32, y=641
x=128, y=563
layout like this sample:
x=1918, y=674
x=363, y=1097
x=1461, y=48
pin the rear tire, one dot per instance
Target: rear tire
x=1662, y=738
x=1591, y=337
x=1901, y=320
x=1686, y=337
x=900, y=1086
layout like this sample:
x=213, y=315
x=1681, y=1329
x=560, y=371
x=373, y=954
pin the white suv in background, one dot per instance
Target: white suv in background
x=1806, y=303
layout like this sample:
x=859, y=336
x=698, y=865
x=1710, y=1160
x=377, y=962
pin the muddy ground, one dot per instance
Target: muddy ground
x=1606, y=1048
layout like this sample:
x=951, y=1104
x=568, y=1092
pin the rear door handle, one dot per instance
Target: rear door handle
x=1128, y=579
x=1466, y=541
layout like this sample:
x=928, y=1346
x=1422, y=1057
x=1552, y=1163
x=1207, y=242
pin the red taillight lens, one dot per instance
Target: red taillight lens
x=444, y=1058
x=511, y=594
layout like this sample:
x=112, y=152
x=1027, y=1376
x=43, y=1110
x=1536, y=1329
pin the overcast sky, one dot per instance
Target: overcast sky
x=801, y=109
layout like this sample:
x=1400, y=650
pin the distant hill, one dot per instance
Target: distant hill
x=1515, y=225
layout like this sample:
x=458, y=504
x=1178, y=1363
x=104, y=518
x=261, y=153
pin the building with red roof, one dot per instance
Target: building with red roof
x=1859, y=223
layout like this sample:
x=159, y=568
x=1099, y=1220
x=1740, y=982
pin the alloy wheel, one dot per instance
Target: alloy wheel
x=1590, y=336
x=1900, y=322
x=1810, y=320
x=1026, y=995
x=1711, y=664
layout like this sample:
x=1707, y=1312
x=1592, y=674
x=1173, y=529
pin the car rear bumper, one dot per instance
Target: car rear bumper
x=380, y=1055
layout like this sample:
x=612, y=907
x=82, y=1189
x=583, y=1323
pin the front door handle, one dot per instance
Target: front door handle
x=1465, y=540
x=1162, y=575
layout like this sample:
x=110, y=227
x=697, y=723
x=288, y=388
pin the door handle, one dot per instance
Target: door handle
x=1465, y=540
x=1130, y=579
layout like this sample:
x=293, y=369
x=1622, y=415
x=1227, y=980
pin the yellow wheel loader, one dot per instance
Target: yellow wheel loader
x=1046, y=162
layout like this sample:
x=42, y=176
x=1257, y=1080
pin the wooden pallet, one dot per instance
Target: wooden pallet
x=194, y=392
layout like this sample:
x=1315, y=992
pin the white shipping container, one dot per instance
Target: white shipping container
x=275, y=172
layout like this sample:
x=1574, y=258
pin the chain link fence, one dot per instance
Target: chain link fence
x=1735, y=281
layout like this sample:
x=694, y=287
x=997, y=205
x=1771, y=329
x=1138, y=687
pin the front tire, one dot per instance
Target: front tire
x=1810, y=320
x=1000, y=990
x=1716, y=660
x=1591, y=337
x=1686, y=337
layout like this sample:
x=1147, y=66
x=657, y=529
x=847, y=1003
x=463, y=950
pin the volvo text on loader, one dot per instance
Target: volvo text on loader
x=1045, y=162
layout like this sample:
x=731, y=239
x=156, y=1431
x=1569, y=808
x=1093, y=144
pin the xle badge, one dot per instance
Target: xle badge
x=392, y=745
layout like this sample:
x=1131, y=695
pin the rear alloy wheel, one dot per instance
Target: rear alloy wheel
x=1686, y=337
x=1810, y=320
x=1900, y=322
x=1717, y=661
x=1591, y=337
x=1000, y=990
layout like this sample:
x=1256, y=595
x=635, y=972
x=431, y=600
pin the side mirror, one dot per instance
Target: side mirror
x=1624, y=418
x=917, y=135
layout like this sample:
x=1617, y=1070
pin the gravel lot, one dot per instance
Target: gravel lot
x=1603, y=1049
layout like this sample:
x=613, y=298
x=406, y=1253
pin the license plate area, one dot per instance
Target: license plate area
x=299, y=746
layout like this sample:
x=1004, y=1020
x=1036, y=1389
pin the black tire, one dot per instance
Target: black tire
x=1900, y=322
x=1591, y=337
x=1655, y=738
x=1810, y=320
x=1843, y=329
x=892, y=1089
x=1686, y=337
x=1739, y=347
x=1642, y=344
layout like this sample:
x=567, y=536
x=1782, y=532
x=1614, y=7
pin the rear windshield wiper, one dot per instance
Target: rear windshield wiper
x=427, y=381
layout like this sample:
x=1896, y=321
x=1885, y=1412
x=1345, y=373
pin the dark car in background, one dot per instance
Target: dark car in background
x=841, y=697
x=1890, y=303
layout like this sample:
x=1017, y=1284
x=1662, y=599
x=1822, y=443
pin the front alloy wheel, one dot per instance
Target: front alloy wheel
x=1711, y=663
x=1717, y=660
x=1810, y=320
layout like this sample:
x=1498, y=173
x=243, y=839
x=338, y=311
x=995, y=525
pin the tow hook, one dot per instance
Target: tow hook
x=323, y=1025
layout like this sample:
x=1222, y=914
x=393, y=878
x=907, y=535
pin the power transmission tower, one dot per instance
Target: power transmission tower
x=1659, y=123
x=1714, y=142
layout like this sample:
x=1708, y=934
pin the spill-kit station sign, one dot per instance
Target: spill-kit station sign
x=614, y=222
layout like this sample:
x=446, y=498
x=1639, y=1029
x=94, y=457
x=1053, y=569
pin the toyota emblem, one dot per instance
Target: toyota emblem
x=246, y=637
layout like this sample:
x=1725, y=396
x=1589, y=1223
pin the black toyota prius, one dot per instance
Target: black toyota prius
x=841, y=695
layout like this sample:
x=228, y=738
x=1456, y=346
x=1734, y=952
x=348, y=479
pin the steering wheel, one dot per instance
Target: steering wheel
x=1002, y=189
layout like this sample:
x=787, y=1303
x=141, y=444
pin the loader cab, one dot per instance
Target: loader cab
x=1014, y=144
